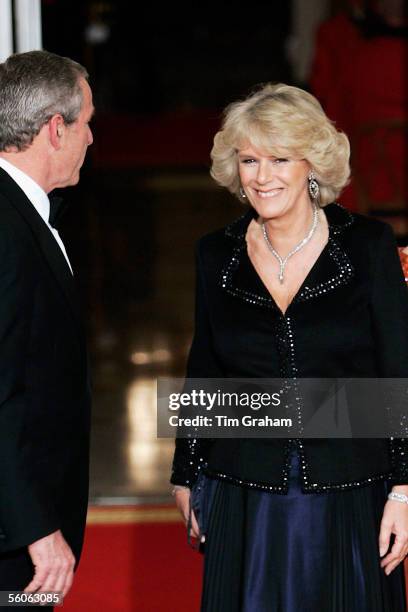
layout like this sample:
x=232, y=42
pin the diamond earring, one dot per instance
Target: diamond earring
x=314, y=189
x=242, y=193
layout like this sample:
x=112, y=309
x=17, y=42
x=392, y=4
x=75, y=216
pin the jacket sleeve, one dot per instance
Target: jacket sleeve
x=191, y=453
x=390, y=320
x=26, y=512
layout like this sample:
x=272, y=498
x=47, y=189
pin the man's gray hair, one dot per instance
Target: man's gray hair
x=34, y=87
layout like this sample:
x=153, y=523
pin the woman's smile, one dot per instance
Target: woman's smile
x=272, y=193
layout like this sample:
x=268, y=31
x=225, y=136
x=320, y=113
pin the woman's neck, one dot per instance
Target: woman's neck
x=287, y=231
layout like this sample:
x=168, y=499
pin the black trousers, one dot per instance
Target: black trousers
x=16, y=572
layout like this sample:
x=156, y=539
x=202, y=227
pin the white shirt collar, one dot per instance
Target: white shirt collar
x=32, y=190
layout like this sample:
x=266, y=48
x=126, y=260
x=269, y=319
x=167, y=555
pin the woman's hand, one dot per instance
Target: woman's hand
x=394, y=521
x=182, y=497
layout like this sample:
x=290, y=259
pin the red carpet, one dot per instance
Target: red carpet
x=136, y=560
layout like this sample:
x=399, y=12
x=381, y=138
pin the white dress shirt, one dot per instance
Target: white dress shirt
x=37, y=197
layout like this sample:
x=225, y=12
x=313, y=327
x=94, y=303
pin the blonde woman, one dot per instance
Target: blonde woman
x=297, y=287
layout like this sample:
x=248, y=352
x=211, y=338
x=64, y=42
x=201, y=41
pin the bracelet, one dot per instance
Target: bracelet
x=400, y=497
x=182, y=488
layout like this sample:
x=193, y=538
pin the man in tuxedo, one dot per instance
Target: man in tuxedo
x=45, y=109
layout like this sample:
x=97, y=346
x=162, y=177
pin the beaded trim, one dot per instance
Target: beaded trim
x=189, y=464
x=336, y=253
x=306, y=488
x=237, y=228
x=282, y=489
x=398, y=450
x=247, y=296
x=344, y=486
x=336, y=228
x=230, y=230
x=288, y=370
x=340, y=258
x=345, y=273
x=286, y=346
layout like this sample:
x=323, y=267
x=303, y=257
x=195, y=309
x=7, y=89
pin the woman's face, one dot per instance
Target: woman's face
x=274, y=186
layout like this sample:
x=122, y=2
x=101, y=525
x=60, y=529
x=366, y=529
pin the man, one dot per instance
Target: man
x=45, y=109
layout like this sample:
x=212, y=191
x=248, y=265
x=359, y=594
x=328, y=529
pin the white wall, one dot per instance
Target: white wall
x=28, y=31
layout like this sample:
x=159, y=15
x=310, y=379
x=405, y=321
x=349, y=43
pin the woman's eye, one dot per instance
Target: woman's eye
x=249, y=160
x=280, y=160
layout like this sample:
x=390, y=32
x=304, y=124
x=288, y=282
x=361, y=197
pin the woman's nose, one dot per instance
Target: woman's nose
x=265, y=172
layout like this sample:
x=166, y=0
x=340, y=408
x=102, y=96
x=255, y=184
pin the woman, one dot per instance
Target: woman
x=297, y=287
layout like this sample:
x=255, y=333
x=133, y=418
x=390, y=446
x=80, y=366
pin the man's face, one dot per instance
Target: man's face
x=77, y=138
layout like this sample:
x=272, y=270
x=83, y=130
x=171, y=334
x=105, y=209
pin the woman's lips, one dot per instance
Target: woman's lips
x=269, y=194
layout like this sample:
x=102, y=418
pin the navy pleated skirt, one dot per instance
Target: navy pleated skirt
x=266, y=552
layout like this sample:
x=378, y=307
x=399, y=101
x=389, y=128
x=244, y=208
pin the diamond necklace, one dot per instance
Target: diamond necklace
x=306, y=239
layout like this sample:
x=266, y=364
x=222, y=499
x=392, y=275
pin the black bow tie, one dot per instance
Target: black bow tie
x=57, y=209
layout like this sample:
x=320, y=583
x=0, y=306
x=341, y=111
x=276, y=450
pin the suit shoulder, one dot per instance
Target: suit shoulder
x=8, y=213
x=366, y=239
x=227, y=235
x=9, y=218
x=12, y=225
x=210, y=242
x=213, y=249
x=370, y=226
x=356, y=228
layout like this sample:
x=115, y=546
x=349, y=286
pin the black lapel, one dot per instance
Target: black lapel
x=43, y=238
x=332, y=269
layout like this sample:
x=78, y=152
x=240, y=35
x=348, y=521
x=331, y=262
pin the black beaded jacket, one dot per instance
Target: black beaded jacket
x=348, y=319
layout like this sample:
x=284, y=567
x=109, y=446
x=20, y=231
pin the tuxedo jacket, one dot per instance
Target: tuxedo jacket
x=348, y=319
x=44, y=386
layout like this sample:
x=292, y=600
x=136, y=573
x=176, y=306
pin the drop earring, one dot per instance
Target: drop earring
x=314, y=189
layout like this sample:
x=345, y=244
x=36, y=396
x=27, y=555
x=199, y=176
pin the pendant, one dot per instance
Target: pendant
x=283, y=262
x=281, y=269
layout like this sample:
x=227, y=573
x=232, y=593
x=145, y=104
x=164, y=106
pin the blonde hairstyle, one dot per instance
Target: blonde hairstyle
x=283, y=121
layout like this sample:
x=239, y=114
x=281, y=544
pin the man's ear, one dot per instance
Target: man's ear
x=56, y=130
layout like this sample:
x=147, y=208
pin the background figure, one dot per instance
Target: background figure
x=404, y=260
x=359, y=76
x=45, y=109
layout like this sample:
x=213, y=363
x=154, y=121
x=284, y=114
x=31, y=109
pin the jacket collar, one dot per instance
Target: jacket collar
x=338, y=219
x=331, y=270
x=44, y=240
